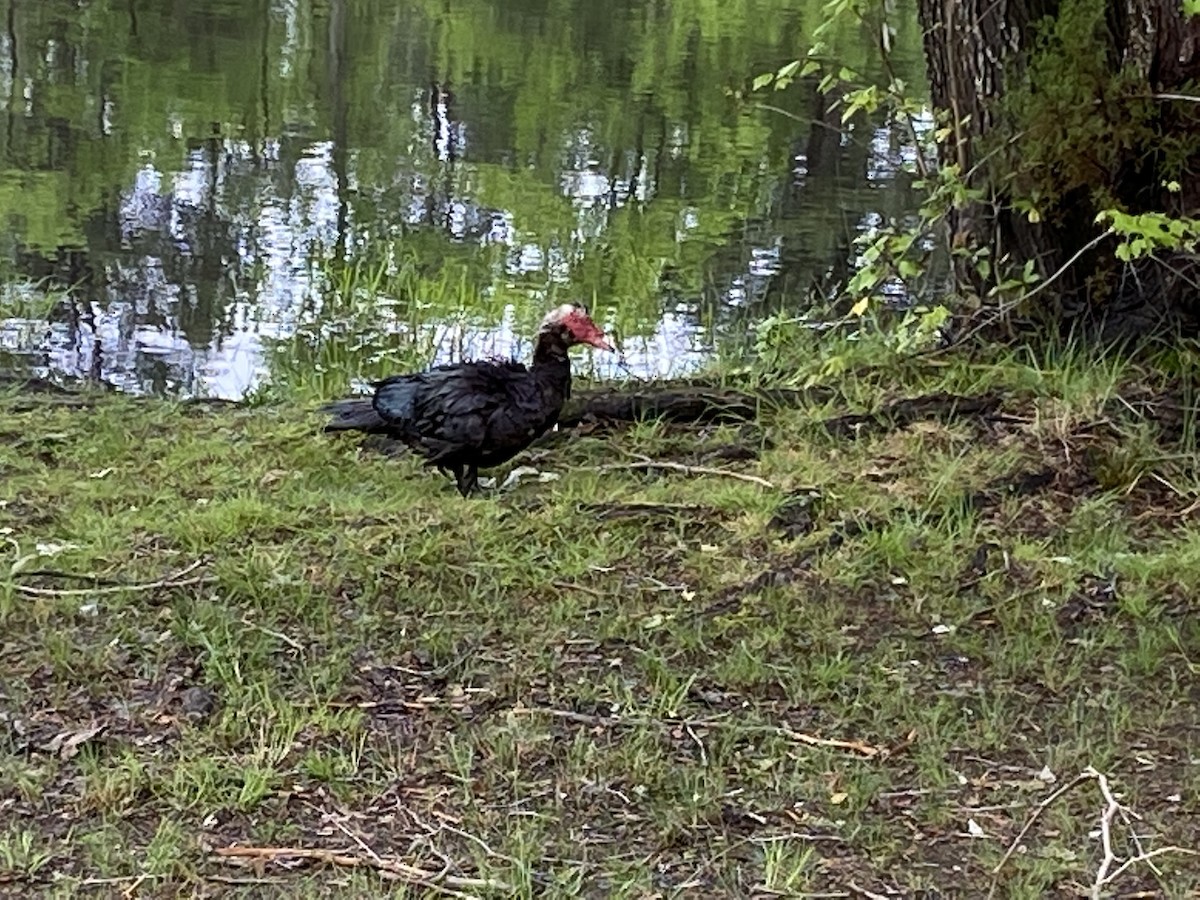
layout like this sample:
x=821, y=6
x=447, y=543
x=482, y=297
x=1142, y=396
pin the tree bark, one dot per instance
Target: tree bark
x=1143, y=135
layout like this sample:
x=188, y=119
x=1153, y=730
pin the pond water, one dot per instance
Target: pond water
x=203, y=196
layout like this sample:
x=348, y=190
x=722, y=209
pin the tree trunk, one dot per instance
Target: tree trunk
x=1076, y=106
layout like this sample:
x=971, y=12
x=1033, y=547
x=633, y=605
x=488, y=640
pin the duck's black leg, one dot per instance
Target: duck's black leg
x=468, y=480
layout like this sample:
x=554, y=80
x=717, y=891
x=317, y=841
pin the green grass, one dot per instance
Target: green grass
x=566, y=690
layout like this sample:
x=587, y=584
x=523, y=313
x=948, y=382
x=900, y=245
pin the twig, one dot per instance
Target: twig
x=1005, y=309
x=1145, y=858
x=859, y=889
x=680, y=467
x=1112, y=807
x=1106, y=818
x=1188, y=98
x=1105, y=874
x=118, y=879
x=127, y=588
x=813, y=741
x=68, y=576
x=858, y=747
x=795, y=836
x=278, y=635
x=1033, y=817
x=446, y=826
x=444, y=667
x=403, y=871
x=699, y=743
x=354, y=837
x=137, y=883
x=171, y=581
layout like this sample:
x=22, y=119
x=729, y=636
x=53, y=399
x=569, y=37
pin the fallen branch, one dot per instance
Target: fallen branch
x=1106, y=875
x=1104, y=878
x=403, y=871
x=680, y=467
x=175, y=580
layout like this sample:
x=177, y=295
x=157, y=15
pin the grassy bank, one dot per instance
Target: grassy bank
x=219, y=629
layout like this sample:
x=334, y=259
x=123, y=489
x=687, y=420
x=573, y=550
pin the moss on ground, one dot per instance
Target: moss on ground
x=219, y=628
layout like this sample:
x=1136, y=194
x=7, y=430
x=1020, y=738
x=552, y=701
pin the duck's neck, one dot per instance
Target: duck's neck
x=551, y=363
x=550, y=350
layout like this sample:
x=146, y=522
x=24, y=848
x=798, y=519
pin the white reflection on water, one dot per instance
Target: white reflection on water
x=133, y=340
x=217, y=259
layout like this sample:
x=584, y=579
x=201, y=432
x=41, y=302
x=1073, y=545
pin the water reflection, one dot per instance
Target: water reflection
x=198, y=178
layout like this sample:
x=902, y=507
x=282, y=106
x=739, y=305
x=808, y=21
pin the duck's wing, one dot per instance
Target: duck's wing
x=449, y=409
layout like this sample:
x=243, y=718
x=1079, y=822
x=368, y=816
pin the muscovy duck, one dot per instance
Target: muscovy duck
x=473, y=415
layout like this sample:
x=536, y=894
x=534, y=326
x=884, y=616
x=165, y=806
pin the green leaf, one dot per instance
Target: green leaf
x=790, y=70
x=762, y=81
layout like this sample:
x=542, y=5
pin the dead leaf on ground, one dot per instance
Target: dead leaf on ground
x=66, y=744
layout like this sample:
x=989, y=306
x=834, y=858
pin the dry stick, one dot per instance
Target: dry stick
x=687, y=470
x=858, y=747
x=1104, y=877
x=699, y=743
x=173, y=581
x=1009, y=307
x=1033, y=817
x=1144, y=858
x=354, y=837
x=132, y=889
x=870, y=895
x=408, y=873
x=442, y=825
x=69, y=576
x=126, y=588
x=278, y=635
x=1106, y=817
x=1185, y=97
x=118, y=879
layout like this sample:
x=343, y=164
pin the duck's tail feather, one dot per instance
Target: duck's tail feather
x=354, y=414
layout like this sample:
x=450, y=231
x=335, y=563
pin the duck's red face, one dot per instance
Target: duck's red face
x=581, y=328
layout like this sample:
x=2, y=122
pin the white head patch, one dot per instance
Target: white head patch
x=559, y=313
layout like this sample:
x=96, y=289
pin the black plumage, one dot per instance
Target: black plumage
x=474, y=415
